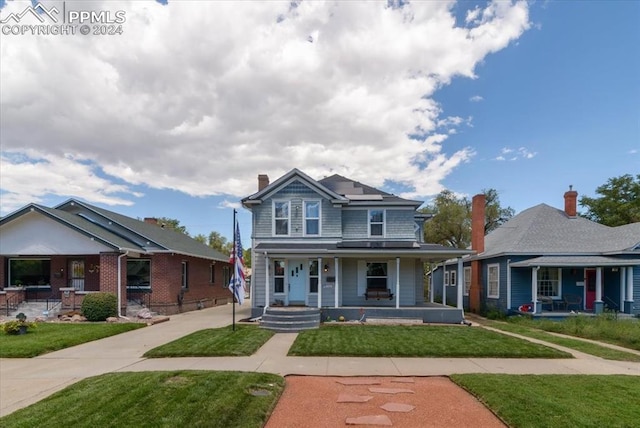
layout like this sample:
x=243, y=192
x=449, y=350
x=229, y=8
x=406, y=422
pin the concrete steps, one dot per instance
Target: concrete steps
x=290, y=320
x=35, y=310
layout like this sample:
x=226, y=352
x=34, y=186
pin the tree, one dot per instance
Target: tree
x=618, y=204
x=172, y=223
x=451, y=222
x=220, y=243
x=247, y=257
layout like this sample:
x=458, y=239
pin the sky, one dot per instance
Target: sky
x=177, y=113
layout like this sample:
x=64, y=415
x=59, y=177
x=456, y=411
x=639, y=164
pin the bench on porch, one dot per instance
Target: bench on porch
x=378, y=293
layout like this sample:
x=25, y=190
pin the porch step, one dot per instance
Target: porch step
x=34, y=310
x=290, y=320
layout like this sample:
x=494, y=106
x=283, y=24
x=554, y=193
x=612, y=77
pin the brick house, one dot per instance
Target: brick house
x=75, y=248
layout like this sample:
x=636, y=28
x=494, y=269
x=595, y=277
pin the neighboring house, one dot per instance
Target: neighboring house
x=546, y=258
x=76, y=248
x=341, y=246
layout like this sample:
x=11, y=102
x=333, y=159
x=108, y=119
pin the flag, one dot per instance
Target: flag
x=237, y=284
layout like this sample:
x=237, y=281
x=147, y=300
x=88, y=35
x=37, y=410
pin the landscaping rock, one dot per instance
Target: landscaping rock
x=112, y=319
x=145, y=314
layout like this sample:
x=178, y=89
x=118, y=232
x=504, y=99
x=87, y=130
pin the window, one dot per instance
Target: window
x=376, y=276
x=185, y=275
x=29, y=271
x=226, y=276
x=212, y=273
x=313, y=276
x=493, y=285
x=376, y=222
x=446, y=277
x=139, y=273
x=549, y=282
x=452, y=280
x=467, y=281
x=278, y=276
x=281, y=217
x=312, y=217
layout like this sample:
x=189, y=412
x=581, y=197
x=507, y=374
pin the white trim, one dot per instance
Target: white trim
x=467, y=269
x=397, y=282
x=273, y=217
x=460, y=285
x=319, y=293
x=497, y=294
x=337, y=283
x=508, y=283
x=304, y=217
x=558, y=294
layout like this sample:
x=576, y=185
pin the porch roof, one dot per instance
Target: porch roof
x=363, y=248
x=576, y=261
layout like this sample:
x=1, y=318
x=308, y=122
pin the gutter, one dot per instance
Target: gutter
x=120, y=282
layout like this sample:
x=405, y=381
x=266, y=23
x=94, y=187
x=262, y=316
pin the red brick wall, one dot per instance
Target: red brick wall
x=92, y=279
x=59, y=273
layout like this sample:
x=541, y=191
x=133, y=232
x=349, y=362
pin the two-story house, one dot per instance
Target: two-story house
x=341, y=246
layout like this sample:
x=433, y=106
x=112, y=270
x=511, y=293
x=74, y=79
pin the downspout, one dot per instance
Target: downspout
x=126, y=253
x=508, y=285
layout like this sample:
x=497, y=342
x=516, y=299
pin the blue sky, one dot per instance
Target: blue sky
x=179, y=115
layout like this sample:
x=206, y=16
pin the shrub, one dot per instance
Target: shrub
x=99, y=306
x=18, y=325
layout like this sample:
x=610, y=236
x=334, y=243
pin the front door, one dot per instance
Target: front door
x=590, y=288
x=76, y=274
x=297, y=282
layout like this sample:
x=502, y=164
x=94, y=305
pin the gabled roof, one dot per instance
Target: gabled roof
x=139, y=237
x=294, y=174
x=544, y=230
x=339, y=189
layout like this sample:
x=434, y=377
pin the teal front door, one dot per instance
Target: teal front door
x=297, y=281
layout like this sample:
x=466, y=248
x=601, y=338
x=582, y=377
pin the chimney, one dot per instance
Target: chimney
x=263, y=181
x=477, y=222
x=570, y=202
x=151, y=220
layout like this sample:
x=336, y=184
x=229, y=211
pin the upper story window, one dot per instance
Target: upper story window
x=281, y=214
x=312, y=217
x=376, y=222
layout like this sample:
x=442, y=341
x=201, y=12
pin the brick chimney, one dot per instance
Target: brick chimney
x=151, y=220
x=571, y=202
x=263, y=181
x=477, y=243
x=477, y=222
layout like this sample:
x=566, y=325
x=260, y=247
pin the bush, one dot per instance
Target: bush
x=99, y=306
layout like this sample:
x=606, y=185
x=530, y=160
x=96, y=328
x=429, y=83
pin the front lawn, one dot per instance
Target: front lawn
x=415, y=341
x=215, y=342
x=49, y=337
x=558, y=400
x=578, y=345
x=157, y=399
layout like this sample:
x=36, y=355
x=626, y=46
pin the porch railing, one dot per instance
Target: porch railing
x=12, y=303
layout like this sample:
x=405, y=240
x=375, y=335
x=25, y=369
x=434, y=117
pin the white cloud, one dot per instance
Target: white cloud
x=508, y=153
x=200, y=97
x=476, y=99
x=633, y=151
x=229, y=204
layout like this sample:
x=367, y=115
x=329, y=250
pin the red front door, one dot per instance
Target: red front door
x=590, y=288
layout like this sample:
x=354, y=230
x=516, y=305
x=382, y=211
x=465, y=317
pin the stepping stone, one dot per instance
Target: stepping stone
x=403, y=380
x=397, y=407
x=357, y=381
x=351, y=398
x=381, y=420
x=391, y=390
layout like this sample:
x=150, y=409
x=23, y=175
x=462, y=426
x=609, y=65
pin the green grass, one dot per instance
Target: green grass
x=215, y=342
x=605, y=328
x=49, y=337
x=415, y=341
x=558, y=400
x=578, y=345
x=157, y=399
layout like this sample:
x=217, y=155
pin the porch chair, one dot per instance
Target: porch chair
x=545, y=300
x=572, y=300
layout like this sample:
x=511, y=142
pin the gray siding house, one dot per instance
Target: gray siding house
x=548, y=259
x=337, y=244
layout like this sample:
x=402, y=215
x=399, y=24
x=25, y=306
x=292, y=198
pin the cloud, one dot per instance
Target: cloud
x=476, y=99
x=229, y=204
x=200, y=97
x=633, y=151
x=508, y=153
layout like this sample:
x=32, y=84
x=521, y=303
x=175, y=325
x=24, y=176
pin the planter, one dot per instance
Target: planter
x=22, y=329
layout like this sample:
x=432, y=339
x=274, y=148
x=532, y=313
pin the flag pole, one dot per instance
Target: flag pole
x=234, y=279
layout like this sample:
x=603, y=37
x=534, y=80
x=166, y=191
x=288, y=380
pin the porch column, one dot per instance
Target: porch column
x=460, y=276
x=598, y=304
x=623, y=286
x=508, y=284
x=431, y=286
x=266, y=281
x=444, y=286
x=397, y=282
x=628, y=303
x=534, y=288
x=320, y=282
x=337, y=283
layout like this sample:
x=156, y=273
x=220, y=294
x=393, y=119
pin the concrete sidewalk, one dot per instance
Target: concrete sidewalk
x=26, y=381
